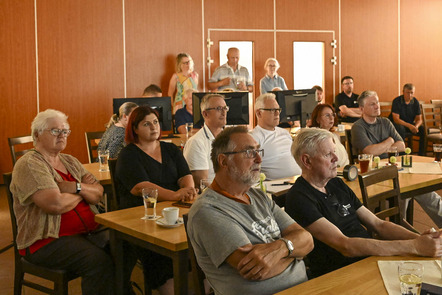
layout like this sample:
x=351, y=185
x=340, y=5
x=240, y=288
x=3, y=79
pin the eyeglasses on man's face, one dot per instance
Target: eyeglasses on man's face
x=57, y=132
x=249, y=153
x=219, y=109
x=273, y=111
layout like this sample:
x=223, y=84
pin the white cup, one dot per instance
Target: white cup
x=341, y=128
x=170, y=214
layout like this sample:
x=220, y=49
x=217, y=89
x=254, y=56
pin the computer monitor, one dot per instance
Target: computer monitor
x=296, y=104
x=161, y=104
x=238, y=103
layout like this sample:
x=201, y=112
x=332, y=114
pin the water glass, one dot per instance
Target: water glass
x=204, y=183
x=150, y=197
x=410, y=277
x=189, y=129
x=364, y=162
x=103, y=158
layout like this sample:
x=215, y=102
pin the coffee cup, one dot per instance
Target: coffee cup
x=170, y=214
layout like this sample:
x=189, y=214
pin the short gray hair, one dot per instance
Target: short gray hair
x=269, y=60
x=223, y=144
x=364, y=95
x=307, y=141
x=205, y=101
x=260, y=101
x=40, y=122
x=409, y=86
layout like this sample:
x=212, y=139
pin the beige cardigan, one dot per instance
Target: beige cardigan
x=32, y=173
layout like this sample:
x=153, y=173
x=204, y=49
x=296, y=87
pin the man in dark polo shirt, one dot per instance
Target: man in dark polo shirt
x=406, y=116
x=346, y=102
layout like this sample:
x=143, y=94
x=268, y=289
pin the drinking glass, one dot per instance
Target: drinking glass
x=150, y=196
x=364, y=162
x=103, y=158
x=204, y=183
x=392, y=152
x=410, y=276
x=437, y=149
x=189, y=130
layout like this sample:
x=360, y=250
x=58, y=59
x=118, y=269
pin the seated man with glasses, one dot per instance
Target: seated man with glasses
x=276, y=141
x=244, y=242
x=198, y=147
x=325, y=206
x=346, y=102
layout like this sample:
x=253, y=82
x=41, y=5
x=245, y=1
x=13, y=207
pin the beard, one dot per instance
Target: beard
x=247, y=177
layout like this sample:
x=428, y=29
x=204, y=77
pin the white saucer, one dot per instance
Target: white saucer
x=162, y=222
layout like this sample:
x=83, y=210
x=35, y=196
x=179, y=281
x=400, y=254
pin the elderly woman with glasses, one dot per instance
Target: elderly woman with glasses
x=324, y=117
x=272, y=81
x=147, y=162
x=52, y=196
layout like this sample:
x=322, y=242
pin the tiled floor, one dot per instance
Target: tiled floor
x=421, y=223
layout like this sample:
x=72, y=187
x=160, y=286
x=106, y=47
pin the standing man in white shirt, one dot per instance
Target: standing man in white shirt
x=231, y=74
x=198, y=148
x=277, y=161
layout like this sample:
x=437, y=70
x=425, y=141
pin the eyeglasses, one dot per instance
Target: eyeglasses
x=272, y=110
x=219, y=109
x=250, y=154
x=57, y=132
x=329, y=116
x=342, y=209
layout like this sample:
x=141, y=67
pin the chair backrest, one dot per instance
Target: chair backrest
x=92, y=140
x=436, y=101
x=352, y=158
x=22, y=141
x=384, y=197
x=197, y=272
x=7, y=178
x=385, y=108
x=431, y=114
x=115, y=201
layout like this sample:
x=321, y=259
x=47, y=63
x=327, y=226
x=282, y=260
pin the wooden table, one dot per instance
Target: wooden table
x=103, y=177
x=127, y=225
x=362, y=277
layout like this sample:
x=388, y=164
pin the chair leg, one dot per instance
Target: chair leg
x=18, y=280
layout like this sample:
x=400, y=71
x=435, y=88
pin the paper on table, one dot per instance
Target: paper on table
x=423, y=168
x=388, y=269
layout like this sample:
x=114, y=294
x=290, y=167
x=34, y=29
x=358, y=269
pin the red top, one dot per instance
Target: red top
x=70, y=224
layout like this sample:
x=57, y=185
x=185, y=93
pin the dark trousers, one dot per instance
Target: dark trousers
x=78, y=255
x=404, y=132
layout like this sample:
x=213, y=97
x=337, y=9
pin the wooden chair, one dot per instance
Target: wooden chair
x=92, y=139
x=197, y=273
x=60, y=278
x=385, y=108
x=19, y=140
x=385, y=204
x=352, y=158
x=431, y=114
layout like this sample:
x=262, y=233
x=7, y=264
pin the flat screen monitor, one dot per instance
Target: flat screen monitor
x=238, y=103
x=161, y=104
x=296, y=104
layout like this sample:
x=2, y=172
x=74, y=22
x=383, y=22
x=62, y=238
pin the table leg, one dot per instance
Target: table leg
x=116, y=245
x=180, y=272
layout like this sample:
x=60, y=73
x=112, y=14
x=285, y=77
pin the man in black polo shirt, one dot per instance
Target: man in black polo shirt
x=406, y=116
x=325, y=206
x=346, y=102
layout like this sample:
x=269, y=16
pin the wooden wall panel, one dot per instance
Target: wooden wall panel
x=81, y=63
x=156, y=31
x=421, y=47
x=370, y=45
x=17, y=75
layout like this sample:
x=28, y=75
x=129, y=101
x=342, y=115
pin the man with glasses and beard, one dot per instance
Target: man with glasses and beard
x=324, y=205
x=277, y=161
x=243, y=241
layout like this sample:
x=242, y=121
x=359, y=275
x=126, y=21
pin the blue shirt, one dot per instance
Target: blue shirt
x=268, y=83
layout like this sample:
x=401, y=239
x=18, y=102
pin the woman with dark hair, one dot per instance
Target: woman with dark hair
x=147, y=162
x=324, y=117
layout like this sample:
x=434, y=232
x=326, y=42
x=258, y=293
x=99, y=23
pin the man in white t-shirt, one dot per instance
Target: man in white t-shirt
x=198, y=147
x=277, y=161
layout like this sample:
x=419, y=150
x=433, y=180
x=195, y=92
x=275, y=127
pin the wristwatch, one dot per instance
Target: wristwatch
x=78, y=184
x=289, y=245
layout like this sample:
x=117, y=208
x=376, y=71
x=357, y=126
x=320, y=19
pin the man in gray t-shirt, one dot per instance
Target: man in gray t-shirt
x=243, y=241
